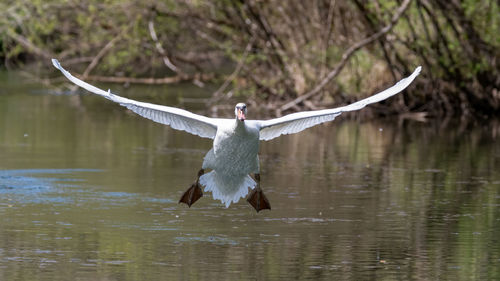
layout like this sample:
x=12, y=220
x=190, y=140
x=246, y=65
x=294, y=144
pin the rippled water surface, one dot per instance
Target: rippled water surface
x=89, y=191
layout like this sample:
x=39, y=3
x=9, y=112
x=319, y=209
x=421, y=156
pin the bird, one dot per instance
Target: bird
x=233, y=159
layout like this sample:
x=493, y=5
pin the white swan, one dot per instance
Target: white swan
x=236, y=141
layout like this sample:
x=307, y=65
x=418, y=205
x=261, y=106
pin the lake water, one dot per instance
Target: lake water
x=89, y=191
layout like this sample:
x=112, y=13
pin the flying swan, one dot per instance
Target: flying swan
x=233, y=156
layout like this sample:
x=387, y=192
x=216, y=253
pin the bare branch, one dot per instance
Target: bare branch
x=168, y=63
x=216, y=95
x=102, y=52
x=25, y=42
x=346, y=56
x=150, y=80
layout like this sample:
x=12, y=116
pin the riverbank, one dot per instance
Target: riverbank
x=332, y=53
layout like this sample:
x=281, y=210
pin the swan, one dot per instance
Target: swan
x=234, y=155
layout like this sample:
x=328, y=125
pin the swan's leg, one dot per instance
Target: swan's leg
x=256, y=198
x=193, y=193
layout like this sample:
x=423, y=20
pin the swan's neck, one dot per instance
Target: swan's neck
x=239, y=125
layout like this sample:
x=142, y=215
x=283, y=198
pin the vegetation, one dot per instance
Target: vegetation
x=289, y=55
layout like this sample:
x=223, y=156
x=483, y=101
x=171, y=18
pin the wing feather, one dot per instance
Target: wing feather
x=177, y=118
x=296, y=122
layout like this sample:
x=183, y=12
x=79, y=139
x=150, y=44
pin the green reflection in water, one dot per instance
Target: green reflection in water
x=88, y=191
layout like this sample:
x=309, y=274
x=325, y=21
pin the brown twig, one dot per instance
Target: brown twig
x=150, y=80
x=216, y=96
x=101, y=53
x=166, y=60
x=346, y=56
x=25, y=42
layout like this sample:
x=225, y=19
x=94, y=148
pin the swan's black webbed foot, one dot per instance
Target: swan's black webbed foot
x=193, y=193
x=257, y=199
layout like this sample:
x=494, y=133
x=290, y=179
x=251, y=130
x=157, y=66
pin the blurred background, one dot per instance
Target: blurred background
x=406, y=189
x=269, y=53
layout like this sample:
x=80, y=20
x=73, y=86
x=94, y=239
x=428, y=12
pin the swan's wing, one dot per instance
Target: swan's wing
x=296, y=122
x=177, y=118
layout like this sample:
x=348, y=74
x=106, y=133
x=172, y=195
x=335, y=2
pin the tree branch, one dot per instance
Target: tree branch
x=138, y=80
x=166, y=60
x=216, y=95
x=25, y=42
x=346, y=56
x=102, y=52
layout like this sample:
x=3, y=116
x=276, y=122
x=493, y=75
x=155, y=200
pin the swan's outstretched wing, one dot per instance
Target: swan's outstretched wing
x=177, y=118
x=296, y=122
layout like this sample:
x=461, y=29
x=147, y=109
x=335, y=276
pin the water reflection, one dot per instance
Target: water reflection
x=89, y=191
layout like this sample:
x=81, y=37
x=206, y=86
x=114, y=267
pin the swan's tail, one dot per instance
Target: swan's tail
x=225, y=188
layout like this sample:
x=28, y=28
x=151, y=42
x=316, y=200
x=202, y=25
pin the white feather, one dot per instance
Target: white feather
x=236, y=144
x=232, y=158
x=296, y=122
x=227, y=189
x=177, y=118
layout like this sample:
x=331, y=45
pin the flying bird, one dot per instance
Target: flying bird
x=234, y=155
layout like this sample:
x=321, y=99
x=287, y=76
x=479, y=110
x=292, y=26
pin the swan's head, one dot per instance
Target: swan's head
x=240, y=111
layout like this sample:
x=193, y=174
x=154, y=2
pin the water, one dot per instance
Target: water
x=89, y=191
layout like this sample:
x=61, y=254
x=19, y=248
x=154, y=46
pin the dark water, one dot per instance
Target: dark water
x=88, y=191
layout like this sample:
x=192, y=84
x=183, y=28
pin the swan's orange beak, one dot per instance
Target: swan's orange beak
x=241, y=115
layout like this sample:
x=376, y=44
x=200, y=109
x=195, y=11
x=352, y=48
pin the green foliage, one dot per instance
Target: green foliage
x=294, y=44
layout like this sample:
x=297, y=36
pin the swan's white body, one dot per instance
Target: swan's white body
x=236, y=143
x=232, y=158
